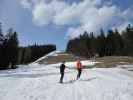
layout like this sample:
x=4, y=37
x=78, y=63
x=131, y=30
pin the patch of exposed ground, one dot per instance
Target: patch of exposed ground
x=59, y=57
x=104, y=62
x=113, y=61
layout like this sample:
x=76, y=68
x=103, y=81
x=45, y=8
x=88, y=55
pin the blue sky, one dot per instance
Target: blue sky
x=56, y=21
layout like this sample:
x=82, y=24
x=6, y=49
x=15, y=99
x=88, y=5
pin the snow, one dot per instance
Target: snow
x=40, y=82
x=127, y=67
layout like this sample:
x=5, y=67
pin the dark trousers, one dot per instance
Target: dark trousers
x=61, y=78
x=79, y=73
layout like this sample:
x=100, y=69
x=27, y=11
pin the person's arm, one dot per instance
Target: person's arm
x=71, y=67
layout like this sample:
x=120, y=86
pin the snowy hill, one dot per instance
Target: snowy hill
x=56, y=57
x=41, y=82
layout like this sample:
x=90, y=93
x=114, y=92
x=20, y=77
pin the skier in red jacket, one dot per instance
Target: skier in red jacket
x=79, y=68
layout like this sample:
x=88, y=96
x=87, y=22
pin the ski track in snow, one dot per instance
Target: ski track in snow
x=40, y=82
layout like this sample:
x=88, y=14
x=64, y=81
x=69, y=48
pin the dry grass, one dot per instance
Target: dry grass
x=112, y=61
x=105, y=62
x=61, y=57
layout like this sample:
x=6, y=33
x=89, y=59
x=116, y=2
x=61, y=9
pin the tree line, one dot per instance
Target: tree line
x=12, y=54
x=110, y=43
x=33, y=52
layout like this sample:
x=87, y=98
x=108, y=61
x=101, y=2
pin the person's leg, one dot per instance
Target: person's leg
x=61, y=78
x=78, y=75
x=80, y=72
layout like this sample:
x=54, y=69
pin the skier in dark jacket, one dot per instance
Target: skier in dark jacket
x=62, y=69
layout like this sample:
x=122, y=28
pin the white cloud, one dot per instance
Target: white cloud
x=72, y=14
x=96, y=18
x=67, y=16
x=128, y=13
x=42, y=14
x=57, y=11
x=44, y=11
x=74, y=32
x=26, y=4
x=89, y=15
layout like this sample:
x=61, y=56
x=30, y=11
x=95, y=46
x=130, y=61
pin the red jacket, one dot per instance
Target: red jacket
x=79, y=65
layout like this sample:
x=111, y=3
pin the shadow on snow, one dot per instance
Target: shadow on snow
x=87, y=80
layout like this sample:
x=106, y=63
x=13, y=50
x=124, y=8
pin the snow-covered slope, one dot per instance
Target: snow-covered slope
x=54, y=53
x=40, y=82
x=58, y=57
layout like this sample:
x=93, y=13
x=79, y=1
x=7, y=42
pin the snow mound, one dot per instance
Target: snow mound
x=54, y=53
x=63, y=55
